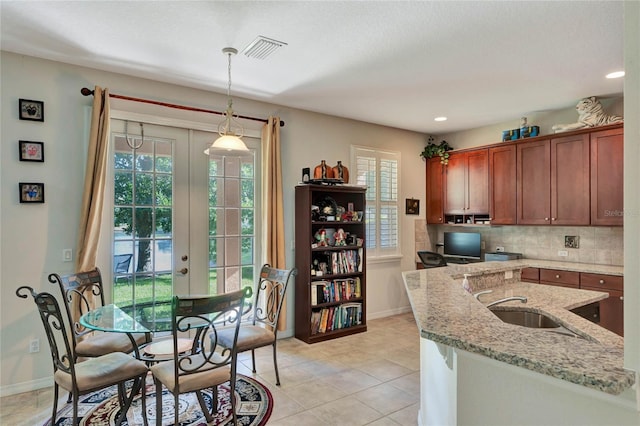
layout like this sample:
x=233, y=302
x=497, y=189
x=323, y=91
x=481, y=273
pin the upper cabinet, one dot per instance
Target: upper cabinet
x=534, y=183
x=466, y=183
x=502, y=185
x=435, y=194
x=574, y=178
x=607, y=177
x=570, y=180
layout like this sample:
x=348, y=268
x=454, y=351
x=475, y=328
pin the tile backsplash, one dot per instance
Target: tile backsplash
x=598, y=245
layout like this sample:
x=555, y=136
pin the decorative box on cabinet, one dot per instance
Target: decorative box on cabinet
x=333, y=304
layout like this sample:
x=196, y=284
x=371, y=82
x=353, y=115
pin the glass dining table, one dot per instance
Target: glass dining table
x=148, y=317
x=144, y=316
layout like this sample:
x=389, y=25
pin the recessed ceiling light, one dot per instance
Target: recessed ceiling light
x=616, y=74
x=440, y=119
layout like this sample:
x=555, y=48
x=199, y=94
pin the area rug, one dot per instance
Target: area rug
x=253, y=404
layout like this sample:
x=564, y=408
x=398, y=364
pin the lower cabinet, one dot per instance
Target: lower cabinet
x=611, y=308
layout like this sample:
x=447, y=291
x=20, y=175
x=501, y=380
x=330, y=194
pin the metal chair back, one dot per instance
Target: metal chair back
x=270, y=294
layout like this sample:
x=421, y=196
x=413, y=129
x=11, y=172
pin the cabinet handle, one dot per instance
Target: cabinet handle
x=553, y=218
x=621, y=297
x=546, y=218
x=557, y=276
x=601, y=281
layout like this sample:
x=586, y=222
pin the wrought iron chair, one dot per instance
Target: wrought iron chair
x=93, y=374
x=208, y=364
x=78, y=289
x=262, y=327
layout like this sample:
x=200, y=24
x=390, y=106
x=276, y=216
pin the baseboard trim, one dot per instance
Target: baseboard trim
x=26, y=386
x=388, y=313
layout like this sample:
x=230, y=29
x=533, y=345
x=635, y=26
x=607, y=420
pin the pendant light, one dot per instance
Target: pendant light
x=229, y=139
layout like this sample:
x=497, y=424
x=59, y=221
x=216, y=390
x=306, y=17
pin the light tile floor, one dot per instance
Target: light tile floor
x=370, y=378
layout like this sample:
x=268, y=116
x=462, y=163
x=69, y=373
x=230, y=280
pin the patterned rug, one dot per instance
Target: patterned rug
x=254, y=404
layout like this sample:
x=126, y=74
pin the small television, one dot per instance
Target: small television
x=465, y=245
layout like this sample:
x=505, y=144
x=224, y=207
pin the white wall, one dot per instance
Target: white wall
x=631, y=193
x=32, y=236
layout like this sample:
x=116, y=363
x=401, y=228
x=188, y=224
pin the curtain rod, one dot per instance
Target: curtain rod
x=87, y=92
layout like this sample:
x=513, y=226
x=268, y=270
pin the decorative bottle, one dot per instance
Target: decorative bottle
x=322, y=171
x=341, y=172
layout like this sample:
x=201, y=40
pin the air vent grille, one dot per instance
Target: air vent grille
x=262, y=47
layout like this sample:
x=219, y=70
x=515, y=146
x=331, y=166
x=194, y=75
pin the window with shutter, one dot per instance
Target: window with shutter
x=378, y=170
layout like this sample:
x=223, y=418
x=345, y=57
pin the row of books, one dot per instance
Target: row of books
x=346, y=261
x=335, y=291
x=336, y=317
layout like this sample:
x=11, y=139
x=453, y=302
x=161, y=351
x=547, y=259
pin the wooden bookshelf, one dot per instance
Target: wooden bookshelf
x=330, y=303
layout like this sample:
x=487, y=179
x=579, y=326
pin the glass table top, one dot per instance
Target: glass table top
x=139, y=317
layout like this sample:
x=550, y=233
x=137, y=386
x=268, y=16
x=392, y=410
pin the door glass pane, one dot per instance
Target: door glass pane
x=143, y=219
x=232, y=197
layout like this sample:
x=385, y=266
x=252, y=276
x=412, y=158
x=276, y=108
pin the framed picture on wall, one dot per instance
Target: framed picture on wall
x=30, y=110
x=412, y=206
x=31, y=151
x=31, y=192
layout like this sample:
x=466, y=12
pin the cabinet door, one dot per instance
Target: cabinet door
x=570, y=193
x=455, y=196
x=502, y=185
x=612, y=312
x=477, y=182
x=534, y=183
x=607, y=159
x=435, y=200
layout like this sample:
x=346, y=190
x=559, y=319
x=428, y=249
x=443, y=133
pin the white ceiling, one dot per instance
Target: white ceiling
x=393, y=63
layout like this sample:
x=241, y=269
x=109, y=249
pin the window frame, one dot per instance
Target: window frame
x=377, y=252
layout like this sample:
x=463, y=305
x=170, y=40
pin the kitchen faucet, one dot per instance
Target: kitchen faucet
x=477, y=295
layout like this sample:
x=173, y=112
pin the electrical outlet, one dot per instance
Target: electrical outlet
x=508, y=275
x=67, y=255
x=499, y=248
x=34, y=346
x=563, y=253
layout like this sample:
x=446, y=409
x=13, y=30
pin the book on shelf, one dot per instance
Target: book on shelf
x=335, y=291
x=336, y=317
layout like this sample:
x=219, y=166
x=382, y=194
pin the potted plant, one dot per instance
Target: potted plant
x=432, y=149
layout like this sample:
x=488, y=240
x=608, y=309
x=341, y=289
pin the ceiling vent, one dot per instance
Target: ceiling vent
x=262, y=47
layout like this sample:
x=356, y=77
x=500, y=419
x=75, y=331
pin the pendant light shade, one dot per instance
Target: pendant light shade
x=230, y=136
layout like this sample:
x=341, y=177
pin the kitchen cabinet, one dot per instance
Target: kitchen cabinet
x=466, y=183
x=534, y=183
x=607, y=159
x=611, y=308
x=502, y=185
x=560, y=278
x=553, y=181
x=530, y=275
x=435, y=195
x=570, y=180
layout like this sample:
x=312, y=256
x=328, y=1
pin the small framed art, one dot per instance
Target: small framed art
x=31, y=151
x=412, y=206
x=30, y=110
x=31, y=192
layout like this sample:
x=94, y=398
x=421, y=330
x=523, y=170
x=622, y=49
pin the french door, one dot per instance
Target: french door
x=183, y=222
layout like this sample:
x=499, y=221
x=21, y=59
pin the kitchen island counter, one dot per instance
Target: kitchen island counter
x=448, y=315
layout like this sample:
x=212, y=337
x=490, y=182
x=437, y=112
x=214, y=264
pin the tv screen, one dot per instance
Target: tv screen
x=462, y=244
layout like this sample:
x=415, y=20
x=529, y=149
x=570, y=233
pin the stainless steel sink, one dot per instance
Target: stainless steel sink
x=525, y=318
x=532, y=319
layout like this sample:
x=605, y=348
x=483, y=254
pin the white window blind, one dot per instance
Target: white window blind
x=378, y=170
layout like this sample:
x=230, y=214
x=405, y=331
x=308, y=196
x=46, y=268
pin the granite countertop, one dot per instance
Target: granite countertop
x=447, y=314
